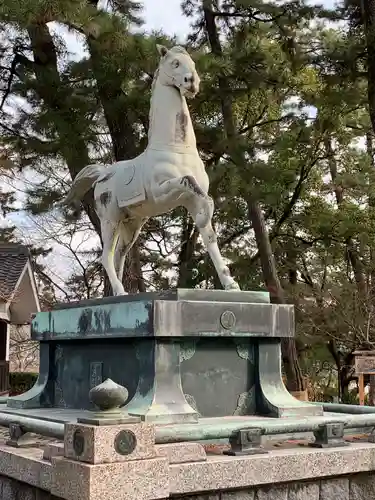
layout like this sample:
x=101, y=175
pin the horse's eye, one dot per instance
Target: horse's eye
x=176, y=63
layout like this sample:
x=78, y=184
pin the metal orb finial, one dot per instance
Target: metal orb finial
x=108, y=395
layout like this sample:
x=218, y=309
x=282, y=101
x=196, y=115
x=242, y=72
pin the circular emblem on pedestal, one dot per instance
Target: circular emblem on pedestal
x=228, y=320
x=78, y=442
x=125, y=442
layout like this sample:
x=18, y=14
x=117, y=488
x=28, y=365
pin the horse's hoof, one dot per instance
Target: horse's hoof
x=233, y=287
x=118, y=293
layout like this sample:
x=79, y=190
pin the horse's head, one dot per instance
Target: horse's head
x=177, y=69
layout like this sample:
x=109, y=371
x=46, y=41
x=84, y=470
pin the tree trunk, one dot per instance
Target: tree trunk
x=345, y=372
x=295, y=380
x=74, y=148
x=133, y=279
x=368, y=11
x=120, y=126
x=189, y=238
x=351, y=251
x=371, y=203
x=371, y=287
x=58, y=98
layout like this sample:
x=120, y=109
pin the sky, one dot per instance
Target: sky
x=169, y=19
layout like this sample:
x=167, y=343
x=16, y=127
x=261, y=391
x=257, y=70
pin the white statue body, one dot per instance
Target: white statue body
x=169, y=173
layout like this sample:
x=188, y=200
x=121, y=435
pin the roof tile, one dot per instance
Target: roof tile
x=13, y=259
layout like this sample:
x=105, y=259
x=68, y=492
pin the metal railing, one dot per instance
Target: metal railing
x=207, y=431
x=175, y=433
x=34, y=425
x=345, y=408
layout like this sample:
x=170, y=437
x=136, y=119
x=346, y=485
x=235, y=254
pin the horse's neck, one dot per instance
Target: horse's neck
x=170, y=122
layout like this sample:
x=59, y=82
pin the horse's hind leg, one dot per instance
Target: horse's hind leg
x=129, y=232
x=110, y=236
x=180, y=187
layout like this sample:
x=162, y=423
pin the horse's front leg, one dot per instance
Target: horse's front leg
x=210, y=241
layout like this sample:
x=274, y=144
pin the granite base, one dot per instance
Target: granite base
x=294, y=474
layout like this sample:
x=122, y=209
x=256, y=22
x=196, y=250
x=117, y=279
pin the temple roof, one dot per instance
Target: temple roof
x=13, y=259
x=18, y=293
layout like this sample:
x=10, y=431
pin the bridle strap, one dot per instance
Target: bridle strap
x=171, y=77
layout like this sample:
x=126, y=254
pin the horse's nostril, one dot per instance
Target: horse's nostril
x=186, y=79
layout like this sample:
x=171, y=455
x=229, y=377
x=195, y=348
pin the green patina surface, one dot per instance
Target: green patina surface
x=123, y=319
x=128, y=316
x=214, y=371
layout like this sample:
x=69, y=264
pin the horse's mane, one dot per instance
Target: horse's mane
x=179, y=50
x=156, y=74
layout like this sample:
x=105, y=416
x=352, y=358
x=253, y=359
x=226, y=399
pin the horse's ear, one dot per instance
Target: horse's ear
x=162, y=50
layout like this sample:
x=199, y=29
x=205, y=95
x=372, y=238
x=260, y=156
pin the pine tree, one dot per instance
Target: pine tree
x=94, y=104
x=251, y=55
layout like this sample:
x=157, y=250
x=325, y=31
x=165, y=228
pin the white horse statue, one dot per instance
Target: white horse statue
x=169, y=173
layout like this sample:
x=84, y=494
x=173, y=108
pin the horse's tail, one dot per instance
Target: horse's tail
x=83, y=181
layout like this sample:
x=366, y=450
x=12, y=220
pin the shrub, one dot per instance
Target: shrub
x=20, y=382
